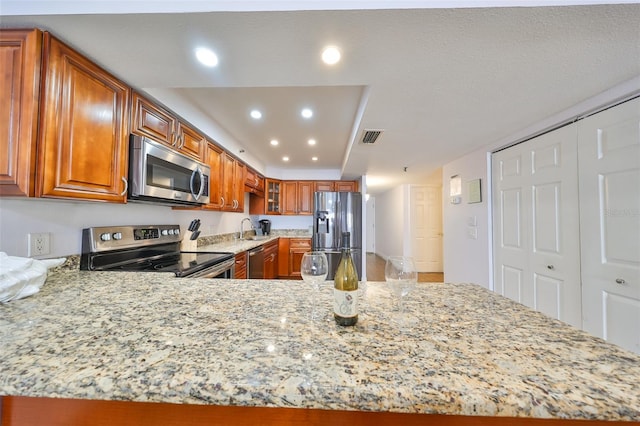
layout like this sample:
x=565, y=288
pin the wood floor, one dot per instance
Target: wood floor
x=375, y=271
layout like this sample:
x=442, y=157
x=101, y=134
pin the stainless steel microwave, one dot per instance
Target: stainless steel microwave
x=159, y=174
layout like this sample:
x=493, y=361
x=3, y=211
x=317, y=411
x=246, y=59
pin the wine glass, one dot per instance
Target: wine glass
x=401, y=276
x=314, y=269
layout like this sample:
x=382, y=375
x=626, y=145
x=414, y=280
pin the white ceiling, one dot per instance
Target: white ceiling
x=440, y=82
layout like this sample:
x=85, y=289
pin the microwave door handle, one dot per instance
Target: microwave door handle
x=193, y=175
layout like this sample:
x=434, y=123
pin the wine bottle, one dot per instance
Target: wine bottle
x=345, y=291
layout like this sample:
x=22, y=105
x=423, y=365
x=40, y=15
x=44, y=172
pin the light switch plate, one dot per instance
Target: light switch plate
x=472, y=221
x=472, y=232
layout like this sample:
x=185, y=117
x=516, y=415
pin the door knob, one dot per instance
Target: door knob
x=620, y=281
x=551, y=267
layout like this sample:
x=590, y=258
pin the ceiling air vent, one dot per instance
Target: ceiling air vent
x=370, y=136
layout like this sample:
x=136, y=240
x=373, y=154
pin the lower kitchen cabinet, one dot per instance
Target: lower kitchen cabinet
x=271, y=260
x=241, y=266
x=290, y=252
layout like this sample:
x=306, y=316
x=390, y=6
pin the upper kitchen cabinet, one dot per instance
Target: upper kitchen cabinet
x=297, y=197
x=20, y=61
x=83, y=140
x=213, y=158
x=254, y=182
x=336, y=185
x=154, y=121
x=345, y=186
x=232, y=184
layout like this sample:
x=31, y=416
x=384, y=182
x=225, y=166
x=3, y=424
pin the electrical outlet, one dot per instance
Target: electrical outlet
x=39, y=244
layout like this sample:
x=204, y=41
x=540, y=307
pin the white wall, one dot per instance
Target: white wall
x=466, y=259
x=66, y=219
x=390, y=222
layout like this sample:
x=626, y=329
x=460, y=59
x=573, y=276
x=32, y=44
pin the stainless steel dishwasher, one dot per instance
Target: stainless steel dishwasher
x=256, y=263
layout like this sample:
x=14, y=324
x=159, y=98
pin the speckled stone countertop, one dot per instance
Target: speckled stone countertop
x=154, y=337
x=228, y=243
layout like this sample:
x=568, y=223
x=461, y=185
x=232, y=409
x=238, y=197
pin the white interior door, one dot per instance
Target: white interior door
x=536, y=244
x=609, y=155
x=426, y=227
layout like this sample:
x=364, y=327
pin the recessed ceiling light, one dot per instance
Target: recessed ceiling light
x=206, y=56
x=331, y=55
x=285, y=158
x=306, y=113
x=255, y=114
x=311, y=141
x=314, y=158
x=274, y=142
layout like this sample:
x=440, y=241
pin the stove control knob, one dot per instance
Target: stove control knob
x=165, y=232
x=105, y=237
x=117, y=235
x=176, y=231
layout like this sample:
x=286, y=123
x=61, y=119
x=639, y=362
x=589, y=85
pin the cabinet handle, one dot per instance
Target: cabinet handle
x=620, y=281
x=126, y=186
x=551, y=267
x=181, y=140
x=174, y=138
x=222, y=201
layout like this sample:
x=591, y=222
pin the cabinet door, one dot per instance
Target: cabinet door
x=324, y=186
x=149, y=119
x=346, y=186
x=305, y=197
x=241, y=266
x=289, y=197
x=272, y=199
x=20, y=56
x=83, y=145
x=283, y=257
x=216, y=180
x=297, y=248
x=228, y=166
x=238, y=186
x=191, y=142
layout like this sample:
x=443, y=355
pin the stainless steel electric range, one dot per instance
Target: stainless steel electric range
x=148, y=249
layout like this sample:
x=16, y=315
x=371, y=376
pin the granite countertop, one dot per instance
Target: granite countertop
x=154, y=337
x=235, y=245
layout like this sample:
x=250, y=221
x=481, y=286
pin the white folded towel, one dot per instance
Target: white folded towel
x=22, y=276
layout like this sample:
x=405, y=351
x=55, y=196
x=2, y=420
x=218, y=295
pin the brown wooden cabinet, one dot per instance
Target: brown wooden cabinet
x=241, y=266
x=150, y=119
x=297, y=197
x=323, y=186
x=345, y=186
x=20, y=62
x=297, y=248
x=254, y=182
x=232, y=184
x=213, y=158
x=271, y=260
x=83, y=147
x=290, y=251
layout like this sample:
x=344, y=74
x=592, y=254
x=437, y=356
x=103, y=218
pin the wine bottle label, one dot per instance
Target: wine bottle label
x=345, y=303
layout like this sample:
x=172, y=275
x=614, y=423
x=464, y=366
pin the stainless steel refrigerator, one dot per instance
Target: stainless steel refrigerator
x=333, y=214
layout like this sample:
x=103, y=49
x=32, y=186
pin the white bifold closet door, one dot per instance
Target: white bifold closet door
x=536, y=224
x=609, y=174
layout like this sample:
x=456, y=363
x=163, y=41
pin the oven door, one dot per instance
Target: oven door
x=223, y=270
x=159, y=173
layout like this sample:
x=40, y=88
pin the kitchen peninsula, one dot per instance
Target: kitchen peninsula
x=248, y=352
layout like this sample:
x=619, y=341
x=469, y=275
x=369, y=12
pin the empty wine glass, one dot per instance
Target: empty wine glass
x=401, y=276
x=314, y=269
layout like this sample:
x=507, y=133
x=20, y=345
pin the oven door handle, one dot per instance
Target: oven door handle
x=193, y=175
x=214, y=271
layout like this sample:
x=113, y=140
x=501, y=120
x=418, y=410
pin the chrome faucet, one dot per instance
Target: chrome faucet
x=242, y=227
